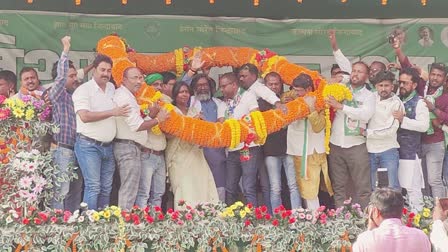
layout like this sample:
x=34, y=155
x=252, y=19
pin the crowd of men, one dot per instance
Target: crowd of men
x=401, y=127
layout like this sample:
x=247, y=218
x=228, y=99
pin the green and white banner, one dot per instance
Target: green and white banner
x=33, y=38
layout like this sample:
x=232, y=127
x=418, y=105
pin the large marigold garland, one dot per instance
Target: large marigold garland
x=231, y=132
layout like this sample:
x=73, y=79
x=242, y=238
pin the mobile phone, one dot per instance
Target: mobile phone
x=444, y=203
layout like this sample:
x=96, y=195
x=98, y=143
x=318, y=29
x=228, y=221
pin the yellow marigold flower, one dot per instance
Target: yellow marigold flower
x=117, y=212
x=239, y=203
x=418, y=216
x=230, y=213
x=242, y=213
x=425, y=231
x=101, y=213
x=426, y=210
x=233, y=207
x=416, y=221
x=96, y=216
x=18, y=112
x=29, y=114
x=247, y=210
x=426, y=214
x=113, y=208
x=107, y=214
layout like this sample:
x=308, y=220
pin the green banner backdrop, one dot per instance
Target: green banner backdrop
x=33, y=38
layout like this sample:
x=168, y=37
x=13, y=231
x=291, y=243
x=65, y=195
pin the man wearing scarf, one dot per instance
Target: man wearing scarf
x=30, y=84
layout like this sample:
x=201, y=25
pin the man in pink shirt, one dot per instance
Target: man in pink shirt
x=386, y=232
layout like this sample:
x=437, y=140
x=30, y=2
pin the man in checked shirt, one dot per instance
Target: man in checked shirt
x=68, y=193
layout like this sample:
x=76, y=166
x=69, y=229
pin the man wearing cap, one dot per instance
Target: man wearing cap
x=156, y=81
x=132, y=147
x=96, y=128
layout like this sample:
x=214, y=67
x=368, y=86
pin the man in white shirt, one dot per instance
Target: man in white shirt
x=131, y=149
x=439, y=236
x=96, y=128
x=414, y=121
x=240, y=103
x=382, y=129
x=348, y=155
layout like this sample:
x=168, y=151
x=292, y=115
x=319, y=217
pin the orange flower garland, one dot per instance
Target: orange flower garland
x=231, y=132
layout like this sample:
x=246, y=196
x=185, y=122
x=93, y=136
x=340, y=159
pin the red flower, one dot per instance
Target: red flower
x=175, y=216
x=284, y=215
x=135, y=207
x=31, y=209
x=275, y=222
x=269, y=53
x=257, y=211
x=37, y=221
x=149, y=219
x=247, y=223
x=264, y=209
x=53, y=219
x=259, y=216
x=188, y=216
x=43, y=216
x=409, y=225
x=181, y=202
x=4, y=113
x=25, y=221
x=282, y=208
x=411, y=215
x=147, y=208
x=277, y=210
x=127, y=217
x=157, y=209
x=136, y=219
x=323, y=216
x=292, y=220
x=161, y=216
x=249, y=205
x=267, y=216
x=405, y=210
x=170, y=211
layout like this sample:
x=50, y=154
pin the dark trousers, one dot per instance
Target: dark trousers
x=247, y=170
x=351, y=162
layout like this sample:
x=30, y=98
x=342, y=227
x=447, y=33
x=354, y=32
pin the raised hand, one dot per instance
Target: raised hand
x=66, y=43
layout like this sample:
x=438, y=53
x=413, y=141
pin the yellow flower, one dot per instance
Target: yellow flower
x=117, y=212
x=101, y=213
x=222, y=215
x=96, y=216
x=29, y=114
x=247, y=210
x=426, y=210
x=417, y=221
x=425, y=231
x=233, y=207
x=242, y=213
x=230, y=213
x=18, y=112
x=239, y=203
x=144, y=106
x=107, y=214
x=426, y=214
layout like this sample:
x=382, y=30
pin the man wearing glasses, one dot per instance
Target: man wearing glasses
x=386, y=231
x=413, y=122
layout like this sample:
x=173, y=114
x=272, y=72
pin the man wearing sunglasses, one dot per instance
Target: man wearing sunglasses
x=386, y=231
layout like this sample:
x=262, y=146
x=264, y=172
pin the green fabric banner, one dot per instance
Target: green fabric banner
x=33, y=38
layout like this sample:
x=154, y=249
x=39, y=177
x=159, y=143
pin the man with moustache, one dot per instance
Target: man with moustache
x=30, y=84
x=349, y=156
x=433, y=146
x=131, y=147
x=210, y=109
x=375, y=68
x=414, y=121
x=96, y=128
x=67, y=194
x=382, y=129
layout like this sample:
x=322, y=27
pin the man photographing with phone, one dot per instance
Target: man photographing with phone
x=439, y=237
x=386, y=231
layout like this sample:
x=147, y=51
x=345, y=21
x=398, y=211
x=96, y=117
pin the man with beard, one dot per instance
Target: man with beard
x=210, y=109
x=96, y=128
x=413, y=122
x=349, y=156
x=433, y=146
x=67, y=194
x=382, y=130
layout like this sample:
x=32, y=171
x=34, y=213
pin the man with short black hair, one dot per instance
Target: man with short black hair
x=349, y=156
x=30, y=84
x=382, y=129
x=96, y=128
x=386, y=231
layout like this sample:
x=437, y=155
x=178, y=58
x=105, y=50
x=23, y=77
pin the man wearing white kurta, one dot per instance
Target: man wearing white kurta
x=414, y=122
x=382, y=129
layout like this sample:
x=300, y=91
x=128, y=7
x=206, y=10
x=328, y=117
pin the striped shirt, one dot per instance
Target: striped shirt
x=63, y=111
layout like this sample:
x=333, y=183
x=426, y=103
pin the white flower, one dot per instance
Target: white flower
x=81, y=219
x=9, y=219
x=14, y=213
x=25, y=182
x=23, y=193
x=76, y=213
x=31, y=198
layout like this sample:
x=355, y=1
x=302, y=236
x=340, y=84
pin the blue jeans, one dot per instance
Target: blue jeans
x=247, y=170
x=97, y=165
x=69, y=193
x=387, y=159
x=274, y=167
x=155, y=166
